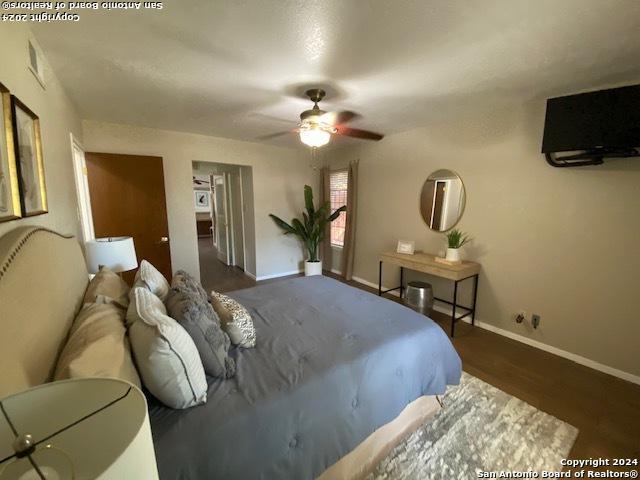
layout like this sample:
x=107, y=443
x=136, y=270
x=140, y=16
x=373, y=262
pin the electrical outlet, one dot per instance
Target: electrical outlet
x=521, y=316
x=535, y=320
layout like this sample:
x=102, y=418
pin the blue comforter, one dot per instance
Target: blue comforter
x=332, y=364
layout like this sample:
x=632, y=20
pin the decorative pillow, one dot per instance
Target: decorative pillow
x=149, y=276
x=235, y=320
x=183, y=279
x=166, y=356
x=107, y=286
x=97, y=346
x=200, y=321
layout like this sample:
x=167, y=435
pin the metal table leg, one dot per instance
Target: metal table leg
x=475, y=297
x=453, y=312
x=380, y=279
x=401, y=281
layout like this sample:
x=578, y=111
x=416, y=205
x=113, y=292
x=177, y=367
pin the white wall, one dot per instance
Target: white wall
x=58, y=118
x=279, y=175
x=562, y=243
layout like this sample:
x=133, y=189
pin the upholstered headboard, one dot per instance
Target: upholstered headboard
x=43, y=277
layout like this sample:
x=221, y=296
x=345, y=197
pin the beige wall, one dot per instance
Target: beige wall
x=58, y=118
x=562, y=243
x=278, y=177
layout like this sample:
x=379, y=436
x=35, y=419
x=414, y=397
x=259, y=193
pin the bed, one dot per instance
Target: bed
x=332, y=365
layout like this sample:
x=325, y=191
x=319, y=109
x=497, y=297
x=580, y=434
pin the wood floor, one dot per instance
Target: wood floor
x=605, y=409
x=215, y=275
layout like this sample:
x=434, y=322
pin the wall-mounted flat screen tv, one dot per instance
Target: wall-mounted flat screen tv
x=602, y=120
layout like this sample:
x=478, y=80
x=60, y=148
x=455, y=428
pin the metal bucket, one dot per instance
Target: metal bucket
x=419, y=297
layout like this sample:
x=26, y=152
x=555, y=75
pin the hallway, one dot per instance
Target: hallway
x=215, y=275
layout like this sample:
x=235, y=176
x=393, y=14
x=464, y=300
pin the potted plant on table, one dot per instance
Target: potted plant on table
x=310, y=229
x=455, y=240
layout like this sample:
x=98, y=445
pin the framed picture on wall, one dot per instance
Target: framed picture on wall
x=28, y=151
x=203, y=201
x=10, y=208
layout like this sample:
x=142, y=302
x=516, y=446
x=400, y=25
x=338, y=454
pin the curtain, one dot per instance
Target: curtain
x=325, y=196
x=348, y=250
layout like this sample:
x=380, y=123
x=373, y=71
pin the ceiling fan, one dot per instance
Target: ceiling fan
x=316, y=126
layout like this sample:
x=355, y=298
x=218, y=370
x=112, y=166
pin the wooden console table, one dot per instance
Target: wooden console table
x=426, y=263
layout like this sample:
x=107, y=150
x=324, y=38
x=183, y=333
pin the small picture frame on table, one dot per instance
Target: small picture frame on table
x=406, y=247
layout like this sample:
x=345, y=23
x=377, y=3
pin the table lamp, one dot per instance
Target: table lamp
x=116, y=253
x=76, y=429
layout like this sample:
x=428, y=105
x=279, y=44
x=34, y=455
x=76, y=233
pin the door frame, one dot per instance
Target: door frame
x=225, y=206
x=231, y=219
x=242, y=219
x=83, y=196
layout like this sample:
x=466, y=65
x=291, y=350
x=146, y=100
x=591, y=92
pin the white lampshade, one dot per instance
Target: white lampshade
x=314, y=136
x=116, y=253
x=81, y=428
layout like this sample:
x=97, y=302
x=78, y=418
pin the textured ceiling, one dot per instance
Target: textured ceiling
x=237, y=68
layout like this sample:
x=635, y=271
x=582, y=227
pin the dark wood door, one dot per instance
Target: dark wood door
x=128, y=199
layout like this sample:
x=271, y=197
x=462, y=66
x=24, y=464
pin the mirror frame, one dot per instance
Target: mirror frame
x=464, y=207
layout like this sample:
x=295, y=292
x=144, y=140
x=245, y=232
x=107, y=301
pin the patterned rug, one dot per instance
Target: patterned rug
x=480, y=428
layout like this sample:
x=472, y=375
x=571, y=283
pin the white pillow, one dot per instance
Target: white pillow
x=149, y=276
x=167, y=358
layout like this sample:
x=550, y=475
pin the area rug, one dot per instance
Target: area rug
x=480, y=428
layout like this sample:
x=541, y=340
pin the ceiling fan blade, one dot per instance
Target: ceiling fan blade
x=275, y=135
x=336, y=118
x=356, y=133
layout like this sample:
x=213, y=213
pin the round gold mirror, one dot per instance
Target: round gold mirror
x=442, y=200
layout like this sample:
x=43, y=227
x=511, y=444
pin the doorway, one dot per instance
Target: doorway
x=223, y=202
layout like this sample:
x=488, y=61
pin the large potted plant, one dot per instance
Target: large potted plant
x=310, y=229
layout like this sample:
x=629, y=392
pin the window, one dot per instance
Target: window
x=338, y=195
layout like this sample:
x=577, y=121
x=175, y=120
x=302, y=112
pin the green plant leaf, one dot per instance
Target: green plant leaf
x=282, y=224
x=336, y=214
x=456, y=238
x=308, y=200
x=300, y=230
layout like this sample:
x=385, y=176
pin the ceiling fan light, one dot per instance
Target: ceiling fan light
x=314, y=137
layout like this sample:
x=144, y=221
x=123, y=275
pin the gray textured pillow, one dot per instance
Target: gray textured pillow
x=183, y=279
x=200, y=321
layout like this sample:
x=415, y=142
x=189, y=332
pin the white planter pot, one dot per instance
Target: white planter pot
x=312, y=268
x=453, y=254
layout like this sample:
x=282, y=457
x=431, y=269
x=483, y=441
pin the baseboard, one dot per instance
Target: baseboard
x=276, y=275
x=528, y=341
x=249, y=274
x=395, y=293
